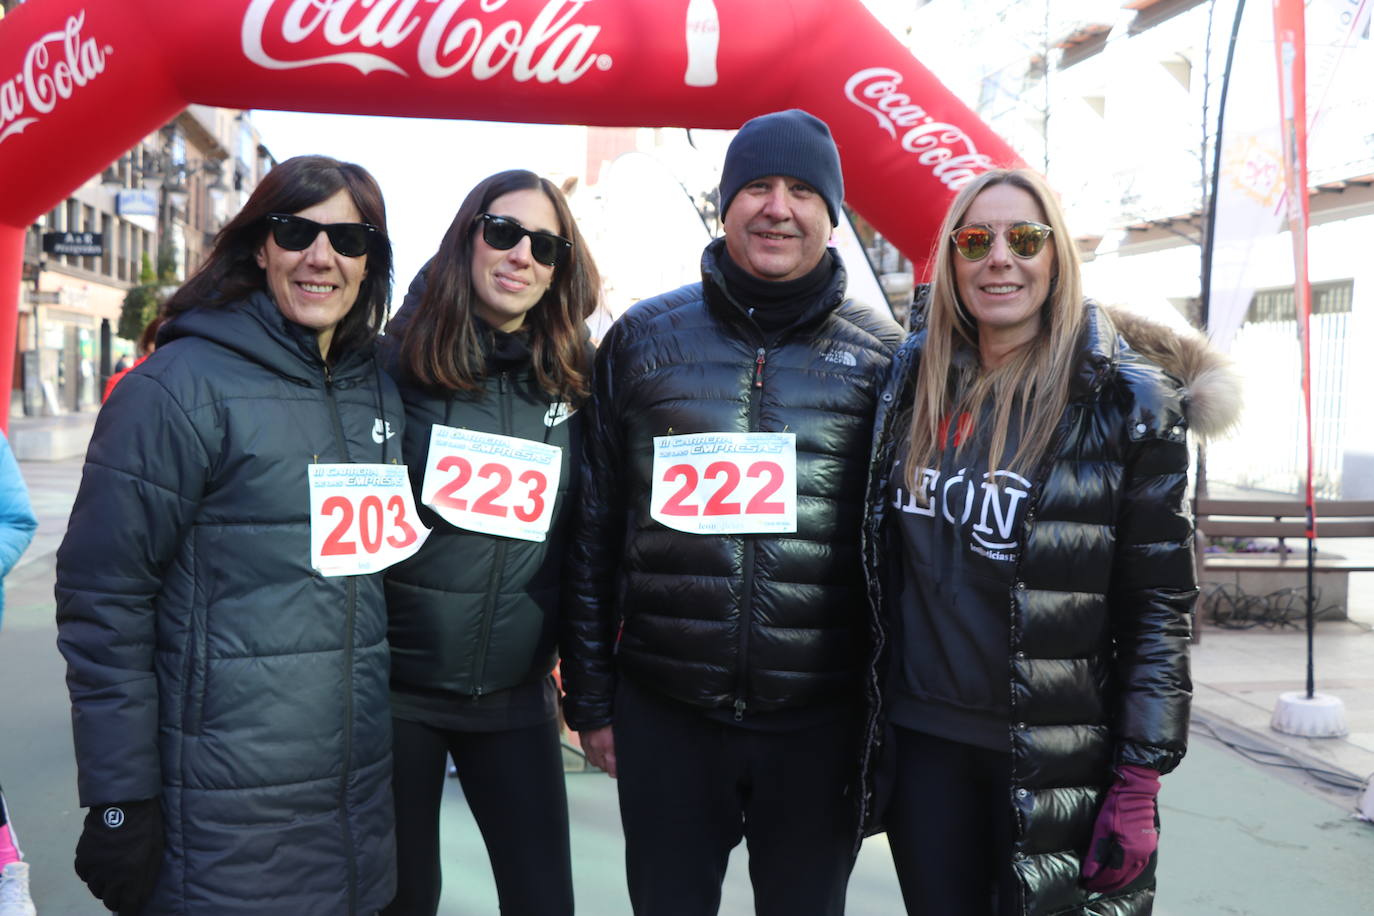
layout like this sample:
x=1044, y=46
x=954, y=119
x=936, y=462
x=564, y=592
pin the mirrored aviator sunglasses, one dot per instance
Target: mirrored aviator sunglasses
x=1024, y=239
x=504, y=234
x=296, y=233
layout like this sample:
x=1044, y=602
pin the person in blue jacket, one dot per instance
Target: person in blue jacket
x=17, y=525
x=491, y=354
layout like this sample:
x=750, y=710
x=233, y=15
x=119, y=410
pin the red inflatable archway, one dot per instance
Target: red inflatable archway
x=83, y=80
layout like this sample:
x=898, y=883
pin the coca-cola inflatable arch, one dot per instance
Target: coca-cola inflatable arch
x=83, y=80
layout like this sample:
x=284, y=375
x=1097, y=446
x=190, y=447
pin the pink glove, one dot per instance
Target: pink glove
x=1125, y=835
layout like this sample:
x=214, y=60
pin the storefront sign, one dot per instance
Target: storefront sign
x=136, y=202
x=77, y=244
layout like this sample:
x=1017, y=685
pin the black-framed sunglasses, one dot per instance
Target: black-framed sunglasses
x=1024, y=239
x=296, y=233
x=504, y=233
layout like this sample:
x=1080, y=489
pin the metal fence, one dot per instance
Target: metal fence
x=1268, y=452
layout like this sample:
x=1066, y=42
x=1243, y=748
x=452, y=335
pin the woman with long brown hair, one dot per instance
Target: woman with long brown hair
x=492, y=357
x=1030, y=558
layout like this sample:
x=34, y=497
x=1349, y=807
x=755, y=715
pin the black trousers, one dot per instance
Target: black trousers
x=513, y=782
x=949, y=824
x=691, y=788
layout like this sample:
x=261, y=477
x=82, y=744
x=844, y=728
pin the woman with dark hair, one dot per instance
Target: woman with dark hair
x=225, y=638
x=1030, y=560
x=490, y=351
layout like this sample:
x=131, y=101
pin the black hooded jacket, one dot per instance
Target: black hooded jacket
x=756, y=622
x=470, y=613
x=208, y=662
x=1098, y=607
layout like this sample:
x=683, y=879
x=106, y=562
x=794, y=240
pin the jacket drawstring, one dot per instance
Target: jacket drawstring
x=381, y=407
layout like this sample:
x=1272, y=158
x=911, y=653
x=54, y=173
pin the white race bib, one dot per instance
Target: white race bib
x=492, y=484
x=362, y=518
x=726, y=483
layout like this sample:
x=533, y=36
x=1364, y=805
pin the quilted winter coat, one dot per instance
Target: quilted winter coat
x=754, y=622
x=1105, y=582
x=472, y=613
x=208, y=663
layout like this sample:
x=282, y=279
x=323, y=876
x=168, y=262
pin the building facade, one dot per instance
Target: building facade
x=158, y=206
x=1117, y=103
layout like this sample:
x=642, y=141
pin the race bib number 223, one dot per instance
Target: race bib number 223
x=493, y=484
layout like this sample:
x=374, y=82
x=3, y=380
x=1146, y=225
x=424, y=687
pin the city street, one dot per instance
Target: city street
x=1238, y=838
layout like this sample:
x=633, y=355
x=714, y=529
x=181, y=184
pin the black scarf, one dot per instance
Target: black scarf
x=504, y=352
x=776, y=304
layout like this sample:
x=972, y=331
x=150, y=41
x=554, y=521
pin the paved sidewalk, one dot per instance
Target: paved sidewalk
x=1238, y=676
x=51, y=438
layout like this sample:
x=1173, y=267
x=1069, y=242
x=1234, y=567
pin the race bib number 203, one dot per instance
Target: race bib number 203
x=362, y=518
x=726, y=483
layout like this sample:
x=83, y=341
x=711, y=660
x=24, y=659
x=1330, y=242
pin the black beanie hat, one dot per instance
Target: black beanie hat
x=792, y=143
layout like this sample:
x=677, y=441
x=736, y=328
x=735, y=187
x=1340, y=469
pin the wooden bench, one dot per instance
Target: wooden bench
x=1279, y=572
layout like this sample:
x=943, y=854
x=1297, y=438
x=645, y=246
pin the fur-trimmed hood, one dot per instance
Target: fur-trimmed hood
x=1211, y=385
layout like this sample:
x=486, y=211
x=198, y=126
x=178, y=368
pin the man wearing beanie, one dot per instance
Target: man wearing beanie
x=713, y=632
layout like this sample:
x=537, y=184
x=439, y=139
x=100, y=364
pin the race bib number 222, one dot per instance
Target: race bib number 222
x=726, y=483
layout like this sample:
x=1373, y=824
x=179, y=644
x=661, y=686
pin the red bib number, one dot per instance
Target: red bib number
x=362, y=518
x=492, y=484
x=726, y=483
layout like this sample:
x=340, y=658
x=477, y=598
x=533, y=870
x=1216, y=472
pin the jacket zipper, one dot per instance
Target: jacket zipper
x=873, y=554
x=499, y=560
x=747, y=593
x=352, y=586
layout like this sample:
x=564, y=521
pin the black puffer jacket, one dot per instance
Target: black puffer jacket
x=1098, y=661
x=472, y=613
x=757, y=622
x=207, y=662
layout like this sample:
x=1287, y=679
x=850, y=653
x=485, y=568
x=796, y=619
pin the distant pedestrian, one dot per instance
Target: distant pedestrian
x=1029, y=541
x=147, y=343
x=490, y=350
x=224, y=629
x=17, y=524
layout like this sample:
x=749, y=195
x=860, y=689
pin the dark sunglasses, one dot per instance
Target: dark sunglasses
x=1024, y=239
x=296, y=233
x=503, y=234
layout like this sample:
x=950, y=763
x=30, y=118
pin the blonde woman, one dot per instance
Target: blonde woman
x=1030, y=562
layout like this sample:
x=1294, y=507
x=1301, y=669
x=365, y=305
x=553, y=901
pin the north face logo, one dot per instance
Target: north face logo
x=841, y=357
x=380, y=426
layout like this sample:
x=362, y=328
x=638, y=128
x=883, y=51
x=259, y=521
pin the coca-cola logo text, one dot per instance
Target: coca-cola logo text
x=50, y=75
x=551, y=48
x=943, y=148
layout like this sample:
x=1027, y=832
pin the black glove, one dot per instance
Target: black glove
x=120, y=853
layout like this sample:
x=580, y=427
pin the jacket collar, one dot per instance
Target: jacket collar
x=728, y=309
x=1097, y=352
x=256, y=328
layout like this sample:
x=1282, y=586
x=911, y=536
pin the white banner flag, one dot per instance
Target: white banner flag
x=1249, y=189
